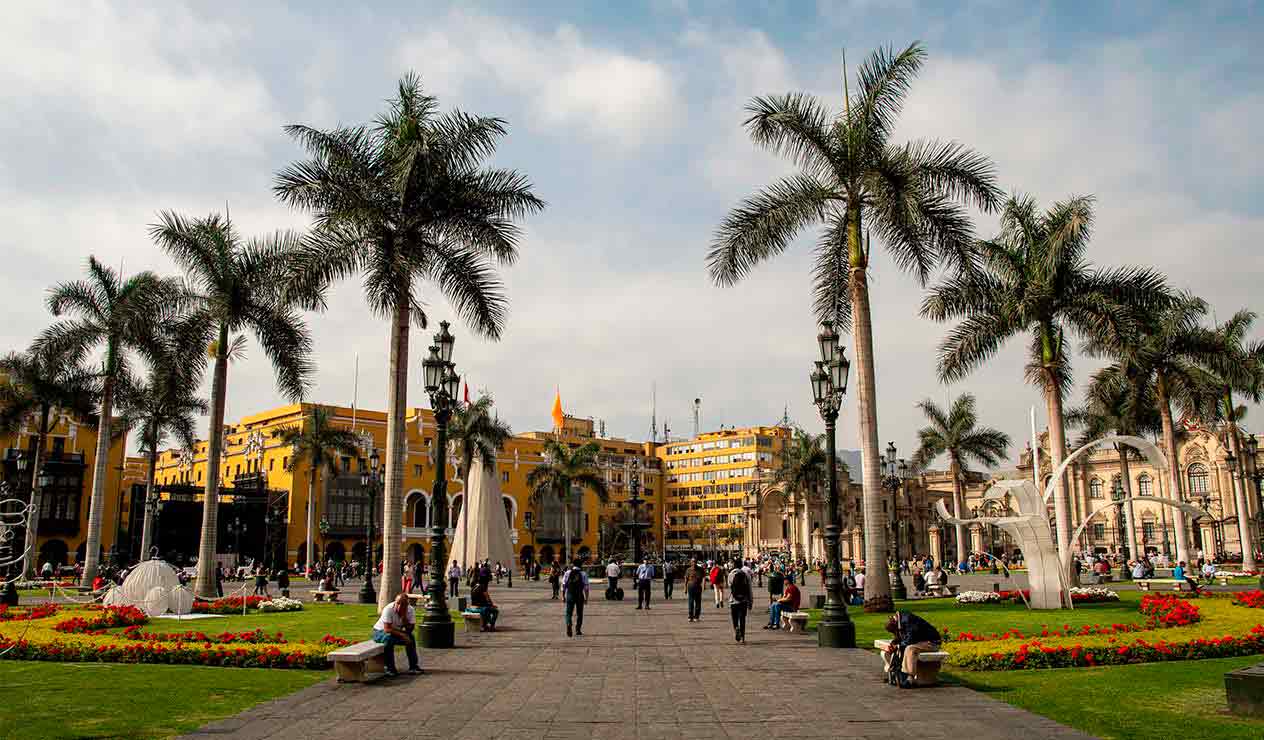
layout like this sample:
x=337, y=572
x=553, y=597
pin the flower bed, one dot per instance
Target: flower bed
x=1036, y=654
x=83, y=638
x=281, y=604
x=1092, y=595
x=1065, y=631
x=1169, y=611
x=1249, y=599
x=39, y=611
x=978, y=597
x=228, y=605
x=1236, y=573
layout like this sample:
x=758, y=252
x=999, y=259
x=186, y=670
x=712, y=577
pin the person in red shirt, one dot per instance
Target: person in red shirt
x=787, y=604
x=717, y=585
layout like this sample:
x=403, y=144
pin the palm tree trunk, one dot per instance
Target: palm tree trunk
x=207, y=565
x=147, y=529
x=1057, y=451
x=1125, y=479
x=31, y=546
x=877, y=579
x=1173, y=469
x=311, y=517
x=958, y=505
x=100, y=466
x=396, y=453
x=1239, y=493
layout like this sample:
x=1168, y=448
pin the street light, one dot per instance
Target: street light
x=441, y=384
x=237, y=528
x=1120, y=500
x=894, y=473
x=634, y=499
x=318, y=554
x=829, y=385
x=370, y=479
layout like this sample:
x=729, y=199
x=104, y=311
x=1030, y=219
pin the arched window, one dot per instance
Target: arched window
x=1145, y=485
x=1095, y=488
x=1198, y=477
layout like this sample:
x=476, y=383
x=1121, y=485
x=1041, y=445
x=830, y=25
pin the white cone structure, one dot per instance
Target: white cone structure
x=487, y=525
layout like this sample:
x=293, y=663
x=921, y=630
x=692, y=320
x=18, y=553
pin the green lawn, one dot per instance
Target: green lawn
x=1151, y=700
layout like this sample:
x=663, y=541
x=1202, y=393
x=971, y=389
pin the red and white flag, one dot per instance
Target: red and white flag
x=467, y=393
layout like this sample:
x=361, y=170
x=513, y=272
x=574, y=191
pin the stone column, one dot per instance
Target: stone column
x=976, y=538
x=936, y=544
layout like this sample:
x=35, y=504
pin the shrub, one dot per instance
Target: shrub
x=281, y=604
x=1249, y=599
x=1169, y=611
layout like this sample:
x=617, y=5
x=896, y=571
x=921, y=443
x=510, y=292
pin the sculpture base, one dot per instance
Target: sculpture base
x=836, y=635
x=437, y=635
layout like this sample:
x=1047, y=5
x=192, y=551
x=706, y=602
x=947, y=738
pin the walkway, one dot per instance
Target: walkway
x=634, y=674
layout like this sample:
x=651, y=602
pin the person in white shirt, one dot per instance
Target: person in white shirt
x=644, y=579
x=612, y=576
x=395, y=627
x=454, y=579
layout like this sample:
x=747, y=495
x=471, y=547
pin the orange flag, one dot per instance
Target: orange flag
x=558, y=416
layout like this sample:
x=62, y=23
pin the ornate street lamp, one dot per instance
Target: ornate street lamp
x=634, y=499
x=237, y=528
x=318, y=554
x=441, y=384
x=1117, y=496
x=894, y=473
x=370, y=479
x=829, y=385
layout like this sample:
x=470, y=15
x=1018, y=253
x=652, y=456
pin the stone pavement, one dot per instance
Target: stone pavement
x=633, y=674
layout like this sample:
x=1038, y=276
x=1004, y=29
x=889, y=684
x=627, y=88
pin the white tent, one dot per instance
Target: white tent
x=482, y=522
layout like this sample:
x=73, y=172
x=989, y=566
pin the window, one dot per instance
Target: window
x=1099, y=531
x=1095, y=488
x=504, y=476
x=272, y=464
x=1197, y=479
x=285, y=461
x=1147, y=531
x=1145, y=486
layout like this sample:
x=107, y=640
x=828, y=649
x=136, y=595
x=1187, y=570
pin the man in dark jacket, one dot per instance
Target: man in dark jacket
x=694, y=578
x=911, y=636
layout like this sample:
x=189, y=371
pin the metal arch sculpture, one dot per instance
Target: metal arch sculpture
x=15, y=514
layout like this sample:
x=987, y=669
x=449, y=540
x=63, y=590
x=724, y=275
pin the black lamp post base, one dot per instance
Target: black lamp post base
x=437, y=635
x=836, y=634
x=9, y=597
x=898, y=589
x=367, y=594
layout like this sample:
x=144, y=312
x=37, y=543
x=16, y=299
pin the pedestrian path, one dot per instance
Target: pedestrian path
x=633, y=674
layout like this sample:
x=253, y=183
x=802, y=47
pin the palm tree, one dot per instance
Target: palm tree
x=564, y=473
x=40, y=382
x=404, y=202
x=804, y=464
x=1163, y=355
x=852, y=178
x=1033, y=277
x=474, y=432
x=119, y=314
x=166, y=401
x=1118, y=402
x=958, y=435
x=1237, y=366
x=319, y=443
x=236, y=286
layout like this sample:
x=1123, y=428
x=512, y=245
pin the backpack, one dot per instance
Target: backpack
x=740, y=588
x=574, y=583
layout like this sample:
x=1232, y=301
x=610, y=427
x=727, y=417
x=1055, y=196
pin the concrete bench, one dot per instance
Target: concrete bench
x=1171, y=584
x=942, y=590
x=333, y=595
x=360, y=662
x=1223, y=581
x=473, y=621
x=932, y=661
x=794, y=621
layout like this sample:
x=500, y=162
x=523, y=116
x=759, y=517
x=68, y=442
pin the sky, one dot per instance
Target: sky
x=627, y=119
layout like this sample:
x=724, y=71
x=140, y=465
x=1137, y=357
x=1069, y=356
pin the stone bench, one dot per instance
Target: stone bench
x=320, y=595
x=928, y=676
x=1171, y=584
x=360, y=662
x=942, y=590
x=794, y=621
x=473, y=621
x=1244, y=691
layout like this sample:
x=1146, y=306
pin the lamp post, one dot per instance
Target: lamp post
x=318, y=554
x=634, y=499
x=441, y=383
x=370, y=479
x=829, y=385
x=237, y=528
x=894, y=472
x=1117, y=496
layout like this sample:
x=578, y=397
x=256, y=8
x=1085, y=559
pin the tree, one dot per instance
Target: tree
x=851, y=177
x=564, y=473
x=236, y=286
x=319, y=443
x=118, y=314
x=804, y=465
x=404, y=202
x=1164, y=354
x=1033, y=277
x=39, y=382
x=474, y=432
x=958, y=435
x=1118, y=402
x=1237, y=366
x=166, y=401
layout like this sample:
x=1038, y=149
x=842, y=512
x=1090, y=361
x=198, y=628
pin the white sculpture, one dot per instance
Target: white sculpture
x=155, y=602
x=483, y=517
x=146, y=588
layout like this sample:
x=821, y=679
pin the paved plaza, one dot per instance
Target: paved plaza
x=633, y=674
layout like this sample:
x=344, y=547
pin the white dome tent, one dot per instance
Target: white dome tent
x=483, y=514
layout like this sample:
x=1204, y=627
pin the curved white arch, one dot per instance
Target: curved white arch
x=513, y=511
x=426, y=508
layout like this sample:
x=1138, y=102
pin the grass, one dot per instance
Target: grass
x=1180, y=700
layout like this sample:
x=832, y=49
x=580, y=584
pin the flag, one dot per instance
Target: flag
x=467, y=393
x=558, y=416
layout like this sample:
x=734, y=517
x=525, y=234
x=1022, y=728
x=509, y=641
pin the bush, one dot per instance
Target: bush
x=1169, y=611
x=1249, y=599
x=281, y=604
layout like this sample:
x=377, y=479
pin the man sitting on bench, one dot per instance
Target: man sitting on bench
x=911, y=636
x=481, y=602
x=395, y=627
x=787, y=604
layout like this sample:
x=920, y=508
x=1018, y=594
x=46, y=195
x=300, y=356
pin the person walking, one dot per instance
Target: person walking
x=555, y=578
x=694, y=576
x=740, y=599
x=575, y=594
x=644, y=580
x=717, y=584
x=669, y=576
x=612, y=579
x=454, y=580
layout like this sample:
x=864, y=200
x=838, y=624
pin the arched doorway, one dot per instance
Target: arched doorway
x=80, y=550
x=52, y=551
x=300, y=555
x=526, y=555
x=417, y=509
x=546, y=554
x=335, y=551
x=415, y=553
x=357, y=552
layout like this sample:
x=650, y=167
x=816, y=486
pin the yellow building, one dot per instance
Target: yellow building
x=264, y=503
x=65, y=486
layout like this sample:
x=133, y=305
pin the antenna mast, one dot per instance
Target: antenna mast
x=653, y=413
x=697, y=410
